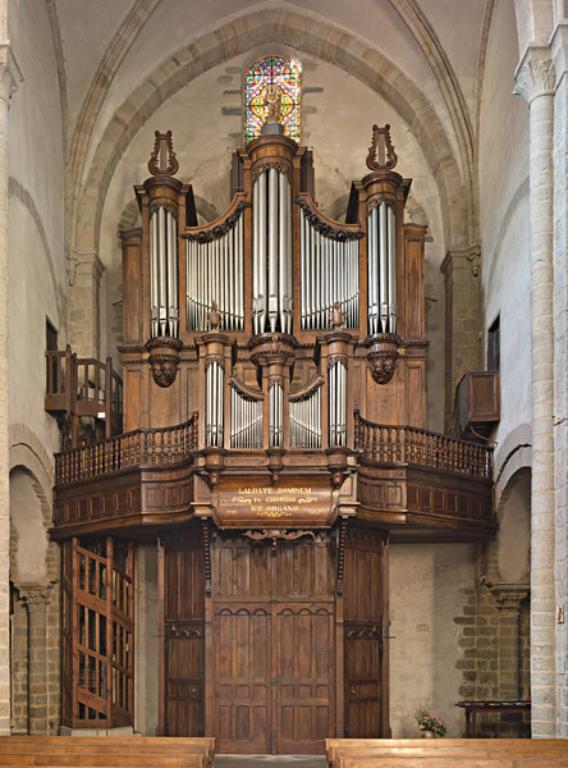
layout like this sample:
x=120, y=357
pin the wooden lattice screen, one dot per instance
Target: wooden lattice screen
x=98, y=633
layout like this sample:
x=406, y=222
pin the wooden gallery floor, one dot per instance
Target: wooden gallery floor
x=269, y=761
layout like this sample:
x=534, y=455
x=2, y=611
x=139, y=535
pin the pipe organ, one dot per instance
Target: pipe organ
x=274, y=378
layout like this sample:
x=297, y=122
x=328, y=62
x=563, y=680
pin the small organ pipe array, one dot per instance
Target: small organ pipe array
x=246, y=420
x=163, y=272
x=381, y=262
x=214, y=403
x=329, y=276
x=276, y=414
x=305, y=420
x=272, y=252
x=337, y=383
x=215, y=276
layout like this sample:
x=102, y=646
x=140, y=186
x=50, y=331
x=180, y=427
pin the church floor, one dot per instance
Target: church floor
x=274, y=761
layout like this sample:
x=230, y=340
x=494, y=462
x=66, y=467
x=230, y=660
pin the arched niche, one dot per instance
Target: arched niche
x=30, y=543
x=513, y=540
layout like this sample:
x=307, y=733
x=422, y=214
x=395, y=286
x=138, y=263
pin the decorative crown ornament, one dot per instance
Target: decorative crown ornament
x=381, y=156
x=163, y=161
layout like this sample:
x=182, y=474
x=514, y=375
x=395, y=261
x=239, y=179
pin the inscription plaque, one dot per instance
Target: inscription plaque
x=289, y=503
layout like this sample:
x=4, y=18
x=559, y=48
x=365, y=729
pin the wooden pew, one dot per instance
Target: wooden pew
x=447, y=753
x=106, y=752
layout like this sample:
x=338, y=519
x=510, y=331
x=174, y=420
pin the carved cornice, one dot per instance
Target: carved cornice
x=535, y=75
x=220, y=230
x=321, y=226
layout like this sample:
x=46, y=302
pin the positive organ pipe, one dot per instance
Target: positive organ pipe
x=164, y=310
x=305, y=421
x=214, y=403
x=329, y=275
x=246, y=421
x=276, y=420
x=337, y=384
x=215, y=275
x=381, y=256
x=272, y=252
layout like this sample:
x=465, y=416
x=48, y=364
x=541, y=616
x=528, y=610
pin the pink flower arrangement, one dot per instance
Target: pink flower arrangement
x=430, y=722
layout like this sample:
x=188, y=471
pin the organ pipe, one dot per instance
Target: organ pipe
x=337, y=383
x=329, y=276
x=272, y=253
x=276, y=414
x=215, y=275
x=214, y=401
x=246, y=421
x=164, y=310
x=381, y=258
x=305, y=421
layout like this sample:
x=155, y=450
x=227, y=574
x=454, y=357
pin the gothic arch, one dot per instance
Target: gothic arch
x=514, y=518
x=311, y=35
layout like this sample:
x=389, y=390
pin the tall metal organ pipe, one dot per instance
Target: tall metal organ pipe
x=329, y=275
x=214, y=403
x=215, y=274
x=164, y=310
x=272, y=252
x=381, y=259
x=337, y=391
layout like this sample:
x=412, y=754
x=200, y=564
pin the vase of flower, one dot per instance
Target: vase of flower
x=430, y=724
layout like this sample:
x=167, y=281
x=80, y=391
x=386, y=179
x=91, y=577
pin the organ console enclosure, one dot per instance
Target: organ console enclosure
x=273, y=442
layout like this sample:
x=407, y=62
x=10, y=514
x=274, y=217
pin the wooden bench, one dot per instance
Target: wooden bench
x=447, y=753
x=106, y=752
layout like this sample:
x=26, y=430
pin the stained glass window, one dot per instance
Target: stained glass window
x=273, y=80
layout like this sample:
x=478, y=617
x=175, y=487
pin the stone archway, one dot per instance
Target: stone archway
x=34, y=568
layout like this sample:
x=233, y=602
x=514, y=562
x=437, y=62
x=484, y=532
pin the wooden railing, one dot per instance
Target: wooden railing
x=82, y=387
x=139, y=448
x=410, y=445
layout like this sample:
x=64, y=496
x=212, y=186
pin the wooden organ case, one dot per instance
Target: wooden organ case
x=274, y=366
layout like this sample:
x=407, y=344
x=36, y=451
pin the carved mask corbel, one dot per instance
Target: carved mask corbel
x=164, y=358
x=382, y=357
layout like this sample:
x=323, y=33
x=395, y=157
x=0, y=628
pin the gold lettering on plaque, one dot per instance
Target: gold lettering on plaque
x=272, y=502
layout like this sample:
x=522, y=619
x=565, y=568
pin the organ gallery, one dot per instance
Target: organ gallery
x=267, y=438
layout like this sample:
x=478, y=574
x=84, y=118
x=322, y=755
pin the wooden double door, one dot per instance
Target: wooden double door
x=262, y=660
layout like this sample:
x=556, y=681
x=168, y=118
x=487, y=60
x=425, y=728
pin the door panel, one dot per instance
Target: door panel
x=184, y=613
x=242, y=669
x=303, y=663
x=366, y=627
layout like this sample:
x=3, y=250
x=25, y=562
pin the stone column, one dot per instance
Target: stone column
x=37, y=601
x=9, y=78
x=508, y=598
x=559, y=46
x=84, y=306
x=461, y=270
x=535, y=80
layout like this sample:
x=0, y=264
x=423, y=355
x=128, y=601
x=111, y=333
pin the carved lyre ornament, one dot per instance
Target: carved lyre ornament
x=163, y=161
x=382, y=156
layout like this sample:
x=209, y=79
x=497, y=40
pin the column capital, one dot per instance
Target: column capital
x=35, y=595
x=508, y=597
x=10, y=73
x=536, y=74
x=463, y=258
